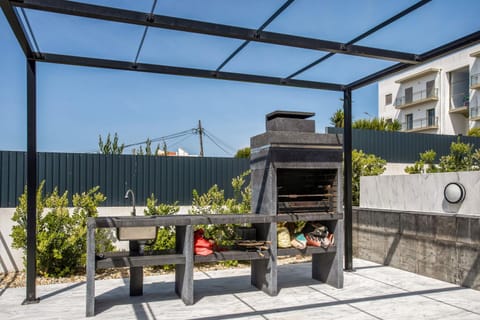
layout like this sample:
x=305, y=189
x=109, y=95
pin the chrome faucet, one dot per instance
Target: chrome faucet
x=130, y=192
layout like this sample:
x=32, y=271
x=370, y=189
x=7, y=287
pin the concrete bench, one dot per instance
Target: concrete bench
x=326, y=263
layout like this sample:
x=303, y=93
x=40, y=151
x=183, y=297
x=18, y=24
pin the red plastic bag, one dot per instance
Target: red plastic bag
x=202, y=246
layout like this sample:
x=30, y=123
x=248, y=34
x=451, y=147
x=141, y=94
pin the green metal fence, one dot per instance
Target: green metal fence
x=401, y=147
x=168, y=178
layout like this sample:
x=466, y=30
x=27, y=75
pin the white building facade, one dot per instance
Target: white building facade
x=439, y=97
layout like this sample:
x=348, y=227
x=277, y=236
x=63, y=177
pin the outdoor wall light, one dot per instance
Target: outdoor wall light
x=454, y=192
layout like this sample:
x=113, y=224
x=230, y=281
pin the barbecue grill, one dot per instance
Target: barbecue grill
x=294, y=169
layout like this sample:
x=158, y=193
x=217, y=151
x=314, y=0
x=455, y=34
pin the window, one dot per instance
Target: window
x=459, y=88
x=408, y=95
x=388, y=99
x=430, y=89
x=431, y=117
x=409, y=121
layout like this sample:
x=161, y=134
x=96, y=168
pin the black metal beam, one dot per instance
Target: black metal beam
x=457, y=44
x=31, y=182
x=364, y=35
x=451, y=46
x=17, y=28
x=180, y=71
x=263, y=26
x=214, y=29
x=347, y=149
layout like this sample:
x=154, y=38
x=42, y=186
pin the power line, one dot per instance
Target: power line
x=184, y=135
x=211, y=139
x=164, y=138
x=226, y=145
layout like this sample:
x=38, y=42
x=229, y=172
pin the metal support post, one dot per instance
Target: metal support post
x=347, y=148
x=31, y=183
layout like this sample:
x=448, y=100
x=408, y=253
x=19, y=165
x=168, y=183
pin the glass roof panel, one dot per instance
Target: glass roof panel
x=313, y=18
x=270, y=60
x=71, y=35
x=342, y=68
x=245, y=13
x=190, y=50
x=439, y=23
x=137, y=5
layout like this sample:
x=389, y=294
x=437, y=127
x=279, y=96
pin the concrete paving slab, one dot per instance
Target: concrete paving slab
x=372, y=292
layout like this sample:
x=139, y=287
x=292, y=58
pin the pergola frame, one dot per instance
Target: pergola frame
x=404, y=60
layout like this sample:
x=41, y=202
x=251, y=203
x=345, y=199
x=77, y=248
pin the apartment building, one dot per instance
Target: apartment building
x=439, y=97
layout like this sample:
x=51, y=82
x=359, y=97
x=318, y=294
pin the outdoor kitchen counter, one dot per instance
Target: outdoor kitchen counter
x=184, y=258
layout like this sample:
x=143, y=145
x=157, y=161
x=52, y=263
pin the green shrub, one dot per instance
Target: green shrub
x=462, y=157
x=426, y=164
x=214, y=202
x=61, y=236
x=165, y=234
x=474, y=132
x=379, y=124
x=364, y=165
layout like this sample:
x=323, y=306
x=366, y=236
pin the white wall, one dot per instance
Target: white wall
x=420, y=192
x=12, y=259
x=395, y=168
x=447, y=122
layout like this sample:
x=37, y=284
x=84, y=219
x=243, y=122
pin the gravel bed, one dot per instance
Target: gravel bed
x=17, y=279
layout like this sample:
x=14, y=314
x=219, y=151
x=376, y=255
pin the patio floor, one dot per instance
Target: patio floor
x=371, y=292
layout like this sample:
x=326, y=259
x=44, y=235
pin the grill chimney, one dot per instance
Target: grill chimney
x=292, y=121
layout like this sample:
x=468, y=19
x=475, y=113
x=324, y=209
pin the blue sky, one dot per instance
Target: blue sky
x=76, y=104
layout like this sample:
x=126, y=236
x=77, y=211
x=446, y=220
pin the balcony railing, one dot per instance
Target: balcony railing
x=416, y=98
x=459, y=103
x=475, y=81
x=475, y=112
x=420, y=124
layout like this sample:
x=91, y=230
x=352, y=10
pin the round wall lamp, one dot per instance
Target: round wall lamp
x=454, y=192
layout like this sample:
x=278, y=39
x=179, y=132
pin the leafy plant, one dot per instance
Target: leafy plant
x=109, y=146
x=474, y=132
x=337, y=119
x=214, y=202
x=462, y=157
x=426, y=164
x=379, y=124
x=61, y=236
x=364, y=165
x=165, y=234
x=243, y=153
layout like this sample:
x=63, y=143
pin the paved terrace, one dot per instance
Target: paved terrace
x=372, y=292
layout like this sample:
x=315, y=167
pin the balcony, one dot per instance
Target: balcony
x=475, y=54
x=459, y=103
x=475, y=81
x=416, y=98
x=475, y=112
x=419, y=125
x=417, y=75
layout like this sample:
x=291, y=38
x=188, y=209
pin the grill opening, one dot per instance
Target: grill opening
x=306, y=190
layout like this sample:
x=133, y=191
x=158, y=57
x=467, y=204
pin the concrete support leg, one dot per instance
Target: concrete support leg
x=184, y=272
x=136, y=273
x=264, y=272
x=328, y=267
x=90, y=297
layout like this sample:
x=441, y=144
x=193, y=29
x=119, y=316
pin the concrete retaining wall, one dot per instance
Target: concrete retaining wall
x=441, y=246
x=420, y=192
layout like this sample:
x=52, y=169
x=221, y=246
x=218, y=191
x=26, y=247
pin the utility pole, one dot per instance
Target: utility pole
x=200, y=133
